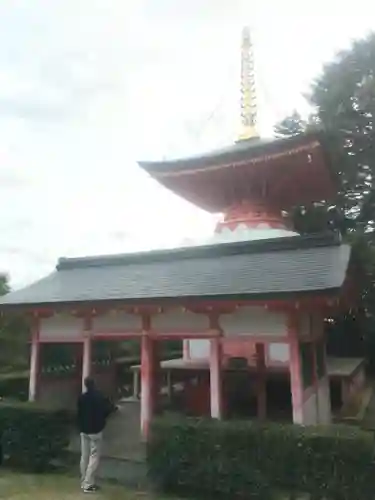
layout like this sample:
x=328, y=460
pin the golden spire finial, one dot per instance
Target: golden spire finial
x=249, y=108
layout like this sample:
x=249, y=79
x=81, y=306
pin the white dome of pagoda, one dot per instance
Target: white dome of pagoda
x=244, y=233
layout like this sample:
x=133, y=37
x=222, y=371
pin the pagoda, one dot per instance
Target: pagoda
x=256, y=294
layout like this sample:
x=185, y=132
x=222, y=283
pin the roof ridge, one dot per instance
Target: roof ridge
x=203, y=251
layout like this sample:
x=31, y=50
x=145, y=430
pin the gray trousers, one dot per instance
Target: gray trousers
x=90, y=456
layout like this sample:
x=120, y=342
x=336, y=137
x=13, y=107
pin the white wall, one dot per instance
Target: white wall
x=317, y=409
x=278, y=352
x=61, y=326
x=249, y=322
x=178, y=320
x=310, y=411
x=116, y=322
x=199, y=348
x=305, y=327
x=59, y=392
x=254, y=321
x=324, y=401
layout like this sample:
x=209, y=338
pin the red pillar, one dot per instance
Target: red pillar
x=156, y=374
x=86, y=360
x=34, y=367
x=261, y=381
x=86, y=350
x=186, y=349
x=295, y=370
x=147, y=385
x=315, y=380
x=323, y=397
x=216, y=389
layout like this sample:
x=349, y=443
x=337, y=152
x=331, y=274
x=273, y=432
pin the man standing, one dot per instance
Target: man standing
x=93, y=411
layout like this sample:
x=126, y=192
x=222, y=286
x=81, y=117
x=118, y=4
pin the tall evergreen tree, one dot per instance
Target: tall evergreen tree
x=291, y=125
x=343, y=103
x=13, y=336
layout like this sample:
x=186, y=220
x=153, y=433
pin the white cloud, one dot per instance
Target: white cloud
x=87, y=87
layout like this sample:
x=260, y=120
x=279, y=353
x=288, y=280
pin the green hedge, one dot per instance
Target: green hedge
x=209, y=459
x=15, y=386
x=32, y=436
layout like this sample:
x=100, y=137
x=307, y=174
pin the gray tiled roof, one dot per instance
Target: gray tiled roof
x=294, y=265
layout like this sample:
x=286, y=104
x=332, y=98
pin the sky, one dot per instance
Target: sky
x=88, y=87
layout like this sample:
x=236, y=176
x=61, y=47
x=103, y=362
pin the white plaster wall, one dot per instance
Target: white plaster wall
x=278, y=353
x=359, y=380
x=243, y=233
x=305, y=326
x=310, y=410
x=317, y=321
x=61, y=326
x=199, y=348
x=59, y=392
x=116, y=322
x=256, y=321
x=177, y=320
x=324, y=401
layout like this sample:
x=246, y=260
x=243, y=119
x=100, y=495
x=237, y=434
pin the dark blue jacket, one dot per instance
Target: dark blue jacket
x=93, y=411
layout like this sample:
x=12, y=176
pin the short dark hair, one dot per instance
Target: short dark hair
x=89, y=383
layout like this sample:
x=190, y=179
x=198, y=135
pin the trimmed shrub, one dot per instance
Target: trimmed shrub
x=15, y=386
x=207, y=459
x=32, y=436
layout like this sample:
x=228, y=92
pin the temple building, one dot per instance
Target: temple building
x=249, y=304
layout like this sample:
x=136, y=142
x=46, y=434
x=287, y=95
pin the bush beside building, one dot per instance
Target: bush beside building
x=210, y=459
x=31, y=437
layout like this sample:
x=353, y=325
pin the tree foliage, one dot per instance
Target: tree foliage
x=4, y=284
x=13, y=336
x=344, y=100
x=291, y=125
x=343, y=108
x=343, y=103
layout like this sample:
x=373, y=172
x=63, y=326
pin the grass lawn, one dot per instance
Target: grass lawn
x=14, y=486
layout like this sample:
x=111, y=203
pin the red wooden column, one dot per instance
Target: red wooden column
x=261, y=381
x=323, y=397
x=315, y=380
x=86, y=350
x=34, y=364
x=216, y=386
x=295, y=369
x=148, y=382
x=186, y=349
x=156, y=374
x=86, y=359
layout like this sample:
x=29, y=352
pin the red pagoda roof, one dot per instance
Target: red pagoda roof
x=286, y=172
